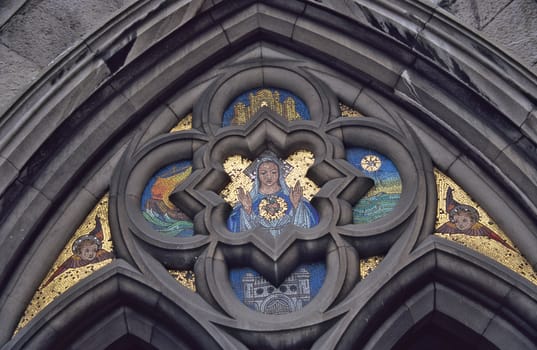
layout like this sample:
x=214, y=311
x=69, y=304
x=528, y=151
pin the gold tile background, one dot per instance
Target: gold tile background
x=482, y=244
x=46, y=294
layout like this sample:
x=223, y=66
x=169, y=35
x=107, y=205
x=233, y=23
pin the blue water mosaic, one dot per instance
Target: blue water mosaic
x=161, y=214
x=384, y=196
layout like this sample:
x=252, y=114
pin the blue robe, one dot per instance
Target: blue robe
x=272, y=212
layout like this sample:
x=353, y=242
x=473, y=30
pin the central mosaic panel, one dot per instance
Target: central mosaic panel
x=264, y=196
x=261, y=196
x=264, y=205
x=273, y=216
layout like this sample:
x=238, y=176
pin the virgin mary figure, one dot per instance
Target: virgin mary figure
x=271, y=204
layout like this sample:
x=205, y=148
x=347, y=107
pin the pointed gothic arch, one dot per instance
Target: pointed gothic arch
x=439, y=289
x=471, y=106
x=114, y=306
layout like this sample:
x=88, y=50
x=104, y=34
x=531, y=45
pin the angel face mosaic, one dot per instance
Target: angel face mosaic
x=89, y=249
x=461, y=219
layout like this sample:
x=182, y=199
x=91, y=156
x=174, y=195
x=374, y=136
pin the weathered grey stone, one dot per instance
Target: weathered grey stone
x=392, y=330
x=160, y=122
x=452, y=305
x=372, y=104
x=114, y=325
x=276, y=52
x=474, y=13
x=516, y=300
x=461, y=119
x=183, y=102
x=142, y=328
x=13, y=234
x=37, y=34
x=403, y=23
x=178, y=71
x=249, y=53
x=82, y=148
x=168, y=16
x=515, y=29
x=422, y=303
x=504, y=336
x=146, y=84
x=16, y=72
x=350, y=51
x=342, y=7
x=8, y=8
x=518, y=160
x=529, y=128
x=83, y=16
x=347, y=90
x=442, y=152
x=47, y=337
x=279, y=22
x=42, y=30
x=239, y=25
x=39, y=31
x=100, y=181
x=8, y=173
x=35, y=126
x=475, y=63
x=46, y=248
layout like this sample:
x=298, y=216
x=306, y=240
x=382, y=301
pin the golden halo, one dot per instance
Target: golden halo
x=272, y=208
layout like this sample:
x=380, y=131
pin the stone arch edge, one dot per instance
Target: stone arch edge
x=445, y=278
x=10, y=165
x=113, y=302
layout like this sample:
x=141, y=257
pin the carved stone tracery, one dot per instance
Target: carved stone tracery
x=409, y=71
x=335, y=242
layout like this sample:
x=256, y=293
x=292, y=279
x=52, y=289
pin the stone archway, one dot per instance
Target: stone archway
x=409, y=66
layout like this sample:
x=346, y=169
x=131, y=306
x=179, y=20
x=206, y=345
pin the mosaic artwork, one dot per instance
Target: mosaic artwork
x=385, y=194
x=86, y=249
x=461, y=219
x=264, y=199
x=368, y=265
x=292, y=295
x=89, y=249
x=283, y=102
x=186, y=278
x=156, y=207
x=347, y=111
x=184, y=124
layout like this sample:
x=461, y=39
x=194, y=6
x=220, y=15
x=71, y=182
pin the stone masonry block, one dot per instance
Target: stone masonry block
x=473, y=13
x=16, y=72
x=518, y=36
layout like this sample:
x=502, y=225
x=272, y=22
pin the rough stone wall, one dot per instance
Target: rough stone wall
x=34, y=32
x=512, y=24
